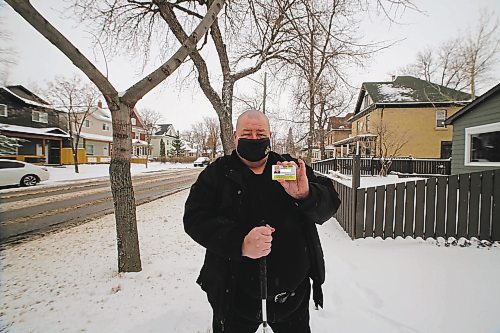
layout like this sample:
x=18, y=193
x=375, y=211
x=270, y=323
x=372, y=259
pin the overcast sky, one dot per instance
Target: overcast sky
x=38, y=61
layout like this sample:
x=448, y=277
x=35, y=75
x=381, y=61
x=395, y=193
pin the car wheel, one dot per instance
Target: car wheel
x=29, y=180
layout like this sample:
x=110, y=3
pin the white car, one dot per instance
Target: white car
x=201, y=161
x=14, y=172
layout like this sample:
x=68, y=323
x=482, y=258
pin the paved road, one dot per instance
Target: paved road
x=34, y=211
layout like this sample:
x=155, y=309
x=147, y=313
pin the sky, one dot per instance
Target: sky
x=38, y=62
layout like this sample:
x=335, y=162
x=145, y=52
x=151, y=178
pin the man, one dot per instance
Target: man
x=239, y=214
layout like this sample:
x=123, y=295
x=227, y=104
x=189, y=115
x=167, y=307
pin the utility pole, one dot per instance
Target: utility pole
x=264, y=97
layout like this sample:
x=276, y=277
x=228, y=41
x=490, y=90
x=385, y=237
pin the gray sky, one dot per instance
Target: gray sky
x=38, y=61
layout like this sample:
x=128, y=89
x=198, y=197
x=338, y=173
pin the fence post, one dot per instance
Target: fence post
x=356, y=171
x=356, y=178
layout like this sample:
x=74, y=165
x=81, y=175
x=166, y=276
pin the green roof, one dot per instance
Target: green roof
x=408, y=89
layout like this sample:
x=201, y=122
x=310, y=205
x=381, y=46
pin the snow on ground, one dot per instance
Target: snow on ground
x=67, y=172
x=89, y=172
x=68, y=282
x=370, y=181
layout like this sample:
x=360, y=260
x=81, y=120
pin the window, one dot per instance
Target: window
x=86, y=123
x=440, y=118
x=105, y=126
x=137, y=136
x=3, y=110
x=90, y=149
x=367, y=123
x=134, y=122
x=10, y=165
x=40, y=117
x=482, y=145
x=366, y=101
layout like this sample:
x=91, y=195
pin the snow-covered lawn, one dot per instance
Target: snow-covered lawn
x=66, y=173
x=370, y=181
x=68, y=282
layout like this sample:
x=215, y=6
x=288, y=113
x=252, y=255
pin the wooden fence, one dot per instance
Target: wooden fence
x=372, y=166
x=466, y=205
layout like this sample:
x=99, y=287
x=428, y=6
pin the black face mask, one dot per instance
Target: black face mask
x=253, y=150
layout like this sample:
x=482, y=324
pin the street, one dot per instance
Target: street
x=36, y=210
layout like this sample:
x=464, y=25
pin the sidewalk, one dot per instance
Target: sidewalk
x=68, y=282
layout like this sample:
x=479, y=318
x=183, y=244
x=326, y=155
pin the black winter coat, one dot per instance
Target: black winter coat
x=212, y=218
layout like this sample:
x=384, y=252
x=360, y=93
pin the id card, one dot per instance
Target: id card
x=284, y=172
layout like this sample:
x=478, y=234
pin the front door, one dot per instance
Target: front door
x=54, y=152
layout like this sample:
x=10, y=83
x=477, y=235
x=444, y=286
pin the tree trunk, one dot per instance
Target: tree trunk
x=129, y=259
x=74, y=149
x=472, y=84
x=322, y=143
x=226, y=131
x=310, y=138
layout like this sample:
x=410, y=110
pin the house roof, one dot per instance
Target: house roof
x=164, y=128
x=98, y=113
x=472, y=105
x=24, y=93
x=49, y=131
x=96, y=137
x=339, y=122
x=408, y=90
x=25, y=96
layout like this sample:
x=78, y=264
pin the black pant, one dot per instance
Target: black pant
x=292, y=316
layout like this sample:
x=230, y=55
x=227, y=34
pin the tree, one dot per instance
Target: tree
x=390, y=142
x=332, y=101
x=262, y=40
x=163, y=156
x=7, y=54
x=9, y=145
x=120, y=105
x=290, y=144
x=79, y=100
x=463, y=62
x=150, y=119
x=177, y=149
x=324, y=41
x=213, y=129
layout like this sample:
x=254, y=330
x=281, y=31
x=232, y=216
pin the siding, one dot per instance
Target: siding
x=21, y=114
x=485, y=113
x=417, y=125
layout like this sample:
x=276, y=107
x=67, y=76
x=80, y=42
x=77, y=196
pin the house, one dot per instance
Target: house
x=165, y=132
x=476, y=134
x=24, y=115
x=96, y=135
x=406, y=116
x=140, y=146
x=338, y=129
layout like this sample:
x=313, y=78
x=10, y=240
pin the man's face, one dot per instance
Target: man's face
x=251, y=128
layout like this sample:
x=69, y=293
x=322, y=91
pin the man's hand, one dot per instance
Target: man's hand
x=299, y=188
x=257, y=242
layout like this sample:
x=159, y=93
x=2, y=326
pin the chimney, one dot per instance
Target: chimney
x=99, y=104
x=393, y=77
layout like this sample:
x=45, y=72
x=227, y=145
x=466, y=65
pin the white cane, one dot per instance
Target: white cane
x=263, y=291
